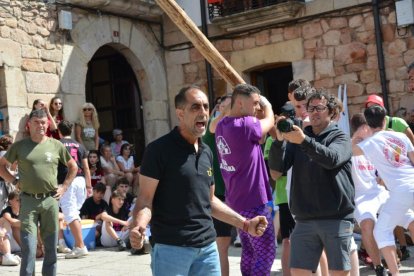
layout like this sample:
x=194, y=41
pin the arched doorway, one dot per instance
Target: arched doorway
x=112, y=87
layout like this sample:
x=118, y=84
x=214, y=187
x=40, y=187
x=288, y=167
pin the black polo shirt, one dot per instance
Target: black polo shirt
x=181, y=211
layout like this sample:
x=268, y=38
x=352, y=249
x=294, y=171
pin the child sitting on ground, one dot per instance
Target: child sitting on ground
x=93, y=207
x=10, y=231
x=115, y=228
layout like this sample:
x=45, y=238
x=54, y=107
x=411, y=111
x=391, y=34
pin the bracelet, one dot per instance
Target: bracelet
x=246, y=224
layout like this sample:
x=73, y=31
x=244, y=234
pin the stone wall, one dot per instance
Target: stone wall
x=329, y=51
x=30, y=57
x=39, y=60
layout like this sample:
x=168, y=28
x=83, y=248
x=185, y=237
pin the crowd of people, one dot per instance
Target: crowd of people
x=297, y=173
x=50, y=181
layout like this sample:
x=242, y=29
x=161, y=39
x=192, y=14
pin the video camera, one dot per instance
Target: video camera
x=286, y=125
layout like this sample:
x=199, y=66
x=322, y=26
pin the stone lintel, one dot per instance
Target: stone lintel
x=141, y=9
x=259, y=17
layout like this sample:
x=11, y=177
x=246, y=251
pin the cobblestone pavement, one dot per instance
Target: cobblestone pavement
x=110, y=262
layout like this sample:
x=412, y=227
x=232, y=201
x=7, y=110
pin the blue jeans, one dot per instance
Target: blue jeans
x=29, y=243
x=178, y=260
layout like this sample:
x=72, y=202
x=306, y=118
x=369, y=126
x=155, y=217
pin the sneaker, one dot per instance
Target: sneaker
x=10, y=260
x=18, y=258
x=380, y=271
x=405, y=254
x=62, y=248
x=77, y=253
x=121, y=245
x=237, y=242
x=364, y=257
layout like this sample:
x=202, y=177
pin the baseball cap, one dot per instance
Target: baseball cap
x=374, y=99
x=116, y=132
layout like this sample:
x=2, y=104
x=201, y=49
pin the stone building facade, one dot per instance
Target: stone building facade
x=38, y=59
x=329, y=42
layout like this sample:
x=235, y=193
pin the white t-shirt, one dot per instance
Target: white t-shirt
x=363, y=175
x=388, y=151
x=128, y=164
x=107, y=164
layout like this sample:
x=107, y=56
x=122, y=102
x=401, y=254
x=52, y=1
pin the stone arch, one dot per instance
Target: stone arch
x=131, y=39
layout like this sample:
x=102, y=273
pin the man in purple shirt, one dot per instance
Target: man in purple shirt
x=244, y=172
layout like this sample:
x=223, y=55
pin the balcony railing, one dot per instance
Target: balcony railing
x=220, y=8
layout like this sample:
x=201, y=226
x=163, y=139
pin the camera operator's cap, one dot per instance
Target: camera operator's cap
x=116, y=132
x=375, y=99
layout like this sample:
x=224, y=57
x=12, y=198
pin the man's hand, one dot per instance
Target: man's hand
x=264, y=102
x=60, y=191
x=257, y=226
x=137, y=237
x=279, y=135
x=296, y=136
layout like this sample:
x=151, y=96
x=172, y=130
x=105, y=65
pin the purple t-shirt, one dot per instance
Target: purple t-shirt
x=241, y=162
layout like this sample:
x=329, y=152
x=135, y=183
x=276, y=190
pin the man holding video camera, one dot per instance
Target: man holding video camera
x=322, y=192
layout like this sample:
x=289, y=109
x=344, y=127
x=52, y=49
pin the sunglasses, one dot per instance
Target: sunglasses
x=87, y=109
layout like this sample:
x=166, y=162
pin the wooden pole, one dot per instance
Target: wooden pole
x=200, y=42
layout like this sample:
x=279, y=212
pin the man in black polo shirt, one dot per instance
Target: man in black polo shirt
x=177, y=195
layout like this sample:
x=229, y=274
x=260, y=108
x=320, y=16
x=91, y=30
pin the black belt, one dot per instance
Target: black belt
x=40, y=195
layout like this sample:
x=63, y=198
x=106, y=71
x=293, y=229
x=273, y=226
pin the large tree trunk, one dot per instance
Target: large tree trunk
x=200, y=42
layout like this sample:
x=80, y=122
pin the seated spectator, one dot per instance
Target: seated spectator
x=126, y=163
x=118, y=142
x=5, y=141
x=122, y=186
x=115, y=229
x=111, y=170
x=62, y=246
x=93, y=207
x=11, y=215
x=10, y=223
x=95, y=168
x=8, y=259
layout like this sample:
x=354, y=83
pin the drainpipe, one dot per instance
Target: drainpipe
x=204, y=29
x=380, y=52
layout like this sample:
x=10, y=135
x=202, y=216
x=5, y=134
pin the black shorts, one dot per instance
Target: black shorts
x=222, y=229
x=287, y=223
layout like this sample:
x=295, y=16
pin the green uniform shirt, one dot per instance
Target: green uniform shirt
x=281, y=194
x=210, y=140
x=267, y=146
x=37, y=163
x=398, y=124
